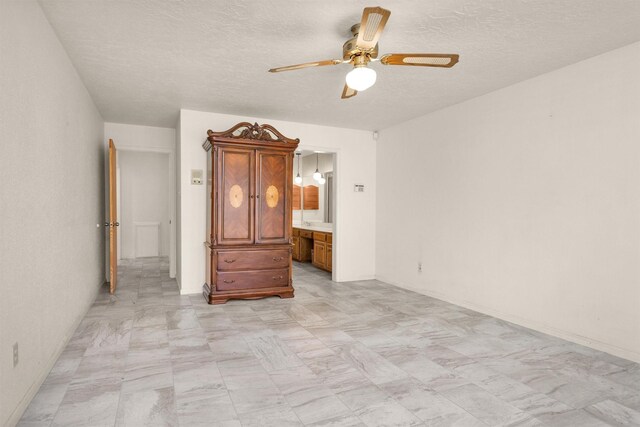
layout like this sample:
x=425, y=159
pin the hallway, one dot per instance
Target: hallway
x=347, y=354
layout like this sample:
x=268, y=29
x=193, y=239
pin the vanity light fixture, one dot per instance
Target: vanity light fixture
x=298, y=178
x=317, y=175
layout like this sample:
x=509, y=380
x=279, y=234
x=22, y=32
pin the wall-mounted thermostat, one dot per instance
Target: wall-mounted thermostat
x=358, y=188
x=196, y=176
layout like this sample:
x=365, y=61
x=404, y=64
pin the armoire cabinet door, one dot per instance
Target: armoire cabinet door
x=235, y=196
x=273, y=203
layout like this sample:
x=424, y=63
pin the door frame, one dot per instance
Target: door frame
x=118, y=205
x=111, y=224
x=336, y=209
x=172, y=196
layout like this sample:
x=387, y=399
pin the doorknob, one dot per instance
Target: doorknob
x=106, y=224
x=117, y=224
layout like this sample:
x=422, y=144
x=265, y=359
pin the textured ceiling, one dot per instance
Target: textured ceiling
x=143, y=60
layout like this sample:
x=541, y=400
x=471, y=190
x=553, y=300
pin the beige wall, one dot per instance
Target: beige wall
x=52, y=184
x=525, y=203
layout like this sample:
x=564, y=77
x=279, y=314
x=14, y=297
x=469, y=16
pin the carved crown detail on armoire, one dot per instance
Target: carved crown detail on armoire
x=249, y=196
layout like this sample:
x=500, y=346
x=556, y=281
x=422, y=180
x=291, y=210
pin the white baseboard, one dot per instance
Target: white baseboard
x=356, y=278
x=527, y=323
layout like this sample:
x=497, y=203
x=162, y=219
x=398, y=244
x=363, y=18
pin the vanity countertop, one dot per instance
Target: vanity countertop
x=314, y=228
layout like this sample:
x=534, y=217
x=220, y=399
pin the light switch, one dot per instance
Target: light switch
x=196, y=176
x=358, y=188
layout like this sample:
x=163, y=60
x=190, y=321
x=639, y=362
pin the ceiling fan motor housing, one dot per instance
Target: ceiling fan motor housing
x=349, y=49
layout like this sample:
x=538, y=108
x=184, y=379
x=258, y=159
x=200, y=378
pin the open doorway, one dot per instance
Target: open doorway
x=144, y=204
x=314, y=210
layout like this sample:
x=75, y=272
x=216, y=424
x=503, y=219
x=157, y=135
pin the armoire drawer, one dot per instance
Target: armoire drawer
x=239, y=280
x=252, y=260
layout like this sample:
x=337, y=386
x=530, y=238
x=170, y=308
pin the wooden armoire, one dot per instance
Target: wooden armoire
x=249, y=204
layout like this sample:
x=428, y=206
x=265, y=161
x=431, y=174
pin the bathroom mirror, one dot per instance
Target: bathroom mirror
x=313, y=198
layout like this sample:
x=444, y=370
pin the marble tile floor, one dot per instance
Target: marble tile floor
x=338, y=354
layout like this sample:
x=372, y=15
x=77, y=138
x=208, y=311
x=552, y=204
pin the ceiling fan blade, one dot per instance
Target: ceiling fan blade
x=373, y=21
x=443, y=60
x=347, y=92
x=306, y=65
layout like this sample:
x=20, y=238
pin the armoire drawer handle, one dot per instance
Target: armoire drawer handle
x=277, y=258
x=229, y=261
x=277, y=277
x=229, y=281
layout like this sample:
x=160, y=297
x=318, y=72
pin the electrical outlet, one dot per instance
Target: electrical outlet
x=419, y=267
x=196, y=176
x=15, y=355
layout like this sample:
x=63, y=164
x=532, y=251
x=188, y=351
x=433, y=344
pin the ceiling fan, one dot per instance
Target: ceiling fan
x=362, y=48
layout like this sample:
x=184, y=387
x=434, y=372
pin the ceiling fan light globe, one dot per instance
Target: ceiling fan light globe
x=361, y=78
